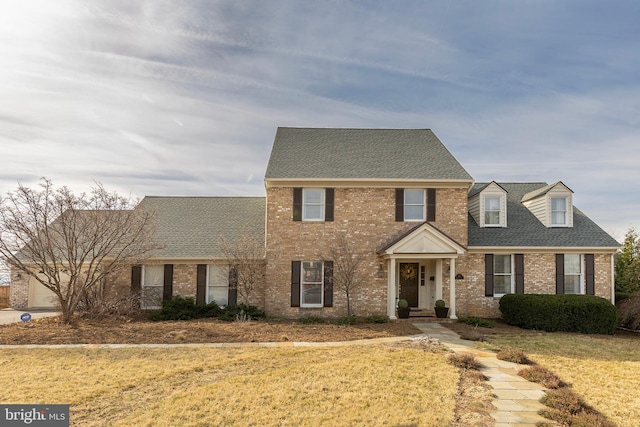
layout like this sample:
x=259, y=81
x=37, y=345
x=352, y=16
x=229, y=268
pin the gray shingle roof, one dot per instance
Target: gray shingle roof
x=525, y=230
x=319, y=153
x=192, y=227
x=541, y=191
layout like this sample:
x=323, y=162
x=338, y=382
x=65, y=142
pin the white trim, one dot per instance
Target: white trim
x=321, y=204
x=511, y=275
x=613, y=279
x=423, y=204
x=391, y=288
x=208, y=278
x=367, y=183
x=581, y=275
x=303, y=282
x=540, y=249
x=143, y=286
x=434, y=244
x=452, y=289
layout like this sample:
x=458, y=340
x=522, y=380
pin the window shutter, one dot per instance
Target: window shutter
x=136, y=280
x=488, y=275
x=167, y=292
x=295, y=283
x=329, y=196
x=328, y=283
x=399, y=204
x=559, y=274
x=590, y=274
x=519, y=260
x=233, y=285
x=297, y=204
x=431, y=204
x=201, y=284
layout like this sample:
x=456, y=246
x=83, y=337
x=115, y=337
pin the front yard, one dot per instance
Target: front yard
x=603, y=369
x=351, y=385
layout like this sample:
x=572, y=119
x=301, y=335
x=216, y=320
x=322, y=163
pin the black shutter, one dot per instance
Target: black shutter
x=590, y=274
x=168, y=282
x=488, y=275
x=559, y=274
x=329, y=196
x=295, y=283
x=136, y=280
x=233, y=285
x=519, y=273
x=431, y=204
x=328, y=283
x=399, y=204
x=201, y=284
x=297, y=204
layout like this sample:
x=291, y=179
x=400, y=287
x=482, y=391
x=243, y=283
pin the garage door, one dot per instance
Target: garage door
x=39, y=296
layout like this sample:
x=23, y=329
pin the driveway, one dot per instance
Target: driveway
x=8, y=315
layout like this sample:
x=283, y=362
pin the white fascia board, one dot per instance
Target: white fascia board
x=541, y=249
x=367, y=182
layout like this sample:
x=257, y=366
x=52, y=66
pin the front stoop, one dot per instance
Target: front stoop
x=516, y=399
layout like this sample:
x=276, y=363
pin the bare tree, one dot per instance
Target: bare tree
x=69, y=243
x=348, y=268
x=246, y=257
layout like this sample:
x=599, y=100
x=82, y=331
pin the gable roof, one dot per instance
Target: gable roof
x=193, y=227
x=542, y=191
x=525, y=230
x=330, y=153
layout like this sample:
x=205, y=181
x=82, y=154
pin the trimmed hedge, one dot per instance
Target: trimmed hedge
x=587, y=314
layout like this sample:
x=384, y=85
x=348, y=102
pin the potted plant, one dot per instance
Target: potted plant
x=441, y=311
x=403, y=309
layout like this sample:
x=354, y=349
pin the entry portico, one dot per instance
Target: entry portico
x=420, y=254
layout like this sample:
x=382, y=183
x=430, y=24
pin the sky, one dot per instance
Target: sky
x=184, y=97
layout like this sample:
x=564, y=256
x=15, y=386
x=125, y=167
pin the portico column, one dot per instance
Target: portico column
x=452, y=289
x=391, y=289
x=439, y=278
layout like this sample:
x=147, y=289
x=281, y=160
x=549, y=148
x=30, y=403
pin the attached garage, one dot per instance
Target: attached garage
x=40, y=296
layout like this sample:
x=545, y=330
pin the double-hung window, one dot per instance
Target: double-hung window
x=492, y=211
x=152, y=286
x=502, y=275
x=558, y=211
x=572, y=274
x=414, y=205
x=313, y=204
x=218, y=284
x=311, y=284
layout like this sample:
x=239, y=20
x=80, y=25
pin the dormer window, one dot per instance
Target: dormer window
x=551, y=204
x=492, y=211
x=488, y=205
x=558, y=211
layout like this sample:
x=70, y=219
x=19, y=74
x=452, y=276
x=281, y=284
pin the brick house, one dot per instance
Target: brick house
x=427, y=230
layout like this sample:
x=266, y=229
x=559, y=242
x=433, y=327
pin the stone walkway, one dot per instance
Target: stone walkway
x=517, y=399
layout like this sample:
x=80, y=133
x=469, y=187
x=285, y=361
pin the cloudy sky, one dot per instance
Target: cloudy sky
x=184, y=97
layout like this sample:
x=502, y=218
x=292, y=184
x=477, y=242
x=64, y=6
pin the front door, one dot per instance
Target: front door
x=409, y=282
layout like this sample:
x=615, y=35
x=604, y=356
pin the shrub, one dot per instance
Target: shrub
x=185, y=308
x=346, y=321
x=231, y=313
x=569, y=409
x=514, y=355
x=376, y=318
x=403, y=303
x=440, y=303
x=477, y=321
x=621, y=296
x=629, y=312
x=568, y=313
x=464, y=361
x=543, y=376
x=310, y=320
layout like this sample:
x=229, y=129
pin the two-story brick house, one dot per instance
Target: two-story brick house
x=427, y=230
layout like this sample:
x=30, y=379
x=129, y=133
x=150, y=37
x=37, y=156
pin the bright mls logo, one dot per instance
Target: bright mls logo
x=34, y=415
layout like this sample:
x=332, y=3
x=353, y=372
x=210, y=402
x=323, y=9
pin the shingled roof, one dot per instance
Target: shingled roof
x=525, y=230
x=329, y=153
x=192, y=227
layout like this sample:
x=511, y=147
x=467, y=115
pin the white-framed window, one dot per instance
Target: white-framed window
x=573, y=274
x=558, y=211
x=502, y=275
x=313, y=204
x=492, y=211
x=414, y=205
x=311, y=284
x=152, y=287
x=218, y=284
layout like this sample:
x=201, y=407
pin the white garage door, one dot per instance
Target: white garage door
x=39, y=296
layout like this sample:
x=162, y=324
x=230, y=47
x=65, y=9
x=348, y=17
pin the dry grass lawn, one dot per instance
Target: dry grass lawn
x=351, y=385
x=604, y=370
